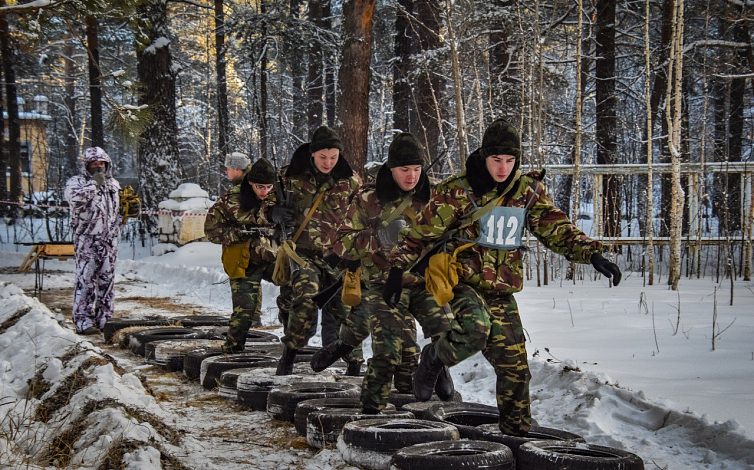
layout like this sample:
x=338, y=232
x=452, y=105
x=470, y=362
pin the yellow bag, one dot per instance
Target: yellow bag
x=130, y=204
x=350, y=294
x=281, y=274
x=441, y=275
x=235, y=259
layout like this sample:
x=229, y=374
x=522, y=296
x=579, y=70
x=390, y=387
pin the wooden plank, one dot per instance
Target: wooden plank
x=57, y=250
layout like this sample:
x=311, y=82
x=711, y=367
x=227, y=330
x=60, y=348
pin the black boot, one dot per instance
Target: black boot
x=444, y=386
x=425, y=376
x=368, y=410
x=327, y=356
x=353, y=369
x=285, y=364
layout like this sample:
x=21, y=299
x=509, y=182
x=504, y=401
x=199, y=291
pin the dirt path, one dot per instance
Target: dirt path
x=216, y=433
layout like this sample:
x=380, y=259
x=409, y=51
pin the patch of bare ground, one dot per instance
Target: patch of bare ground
x=13, y=319
x=114, y=458
x=164, y=303
x=61, y=450
x=72, y=384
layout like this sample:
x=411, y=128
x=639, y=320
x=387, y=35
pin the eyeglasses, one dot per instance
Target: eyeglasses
x=263, y=187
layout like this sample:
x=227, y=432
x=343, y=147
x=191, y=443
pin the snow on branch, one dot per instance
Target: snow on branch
x=35, y=5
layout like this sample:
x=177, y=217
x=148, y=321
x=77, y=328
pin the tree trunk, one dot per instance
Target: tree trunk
x=319, y=11
x=159, y=171
x=4, y=209
x=70, y=142
x=606, y=123
x=95, y=84
x=222, y=83
x=353, y=78
x=658, y=94
x=430, y=84
x=298, y=72
x=457, y=88
x=263, y=129
x=403, y=48
x=649, y=225
x=673, y=116
x=13, y=122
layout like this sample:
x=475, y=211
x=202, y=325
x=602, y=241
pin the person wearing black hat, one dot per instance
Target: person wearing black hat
x=372, y=226
x=475, y=220
x=239, y=221
x=320, y=183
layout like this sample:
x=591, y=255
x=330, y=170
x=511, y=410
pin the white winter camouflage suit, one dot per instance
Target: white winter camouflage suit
x=95, y=223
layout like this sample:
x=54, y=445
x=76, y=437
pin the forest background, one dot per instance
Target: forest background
x=169, y=87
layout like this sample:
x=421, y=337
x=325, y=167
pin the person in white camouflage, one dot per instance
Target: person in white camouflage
x=95, y=223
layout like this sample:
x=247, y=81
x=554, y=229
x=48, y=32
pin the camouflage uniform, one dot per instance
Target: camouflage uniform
x=486, y=315
x=394, y=346
x=95, y=223
x=225, y=223
x=303, y=182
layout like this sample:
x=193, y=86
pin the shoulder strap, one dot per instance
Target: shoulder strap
x=309, y=215
x=396, y=212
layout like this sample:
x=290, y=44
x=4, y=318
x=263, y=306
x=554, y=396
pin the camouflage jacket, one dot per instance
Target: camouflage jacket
x=484, y=268
x=226, y=222
x=371, y=207
x=303, y=183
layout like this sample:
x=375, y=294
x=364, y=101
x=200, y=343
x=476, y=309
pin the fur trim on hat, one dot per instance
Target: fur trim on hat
x=388, y=190
x=325, y=138
x=479, y=176
x=302, y=163
x=405, y=150
x=237, y=160
x=247, y=198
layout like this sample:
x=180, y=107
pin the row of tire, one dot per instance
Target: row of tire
x=325, y=407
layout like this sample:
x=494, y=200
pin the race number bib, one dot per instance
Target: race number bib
x=502, y=228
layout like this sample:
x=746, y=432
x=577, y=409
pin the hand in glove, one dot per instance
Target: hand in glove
x=280, y=214
x=352, y=264
x=390, y=234
x=393, y=287
x=607, y=268
x=333, y=260
x=99, y=177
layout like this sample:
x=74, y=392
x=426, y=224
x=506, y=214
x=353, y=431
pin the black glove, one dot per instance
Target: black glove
x=389, y=235
x=607, y=268
x=393, y=287
x=280, y=214
x=333, y=260
x=351, y=264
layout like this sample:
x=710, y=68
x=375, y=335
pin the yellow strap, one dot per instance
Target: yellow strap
x=281, y=274
x=308, y=216
x=397, y=212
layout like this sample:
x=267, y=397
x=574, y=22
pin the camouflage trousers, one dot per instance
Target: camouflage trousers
x=246, y=295
x=95, y=279
x=298, y=312
x=394, y=347
x=491, y=324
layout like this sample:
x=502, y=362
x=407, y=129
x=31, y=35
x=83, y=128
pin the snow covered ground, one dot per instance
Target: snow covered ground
x=629, y=367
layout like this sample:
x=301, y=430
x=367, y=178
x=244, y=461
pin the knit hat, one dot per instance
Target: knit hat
x=262, y=172
x=325, y=138
x=237, y=160
x=405, y=150
x=501, y=138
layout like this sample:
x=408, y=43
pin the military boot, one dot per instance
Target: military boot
x=285, y=364
x=327, y=356
x=353, y=369
x=426, y=373
x=444, y=387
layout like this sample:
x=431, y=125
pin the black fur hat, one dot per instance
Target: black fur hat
x=325, y=138
x=405, y=150
x=501, y=138
x=262, y=172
